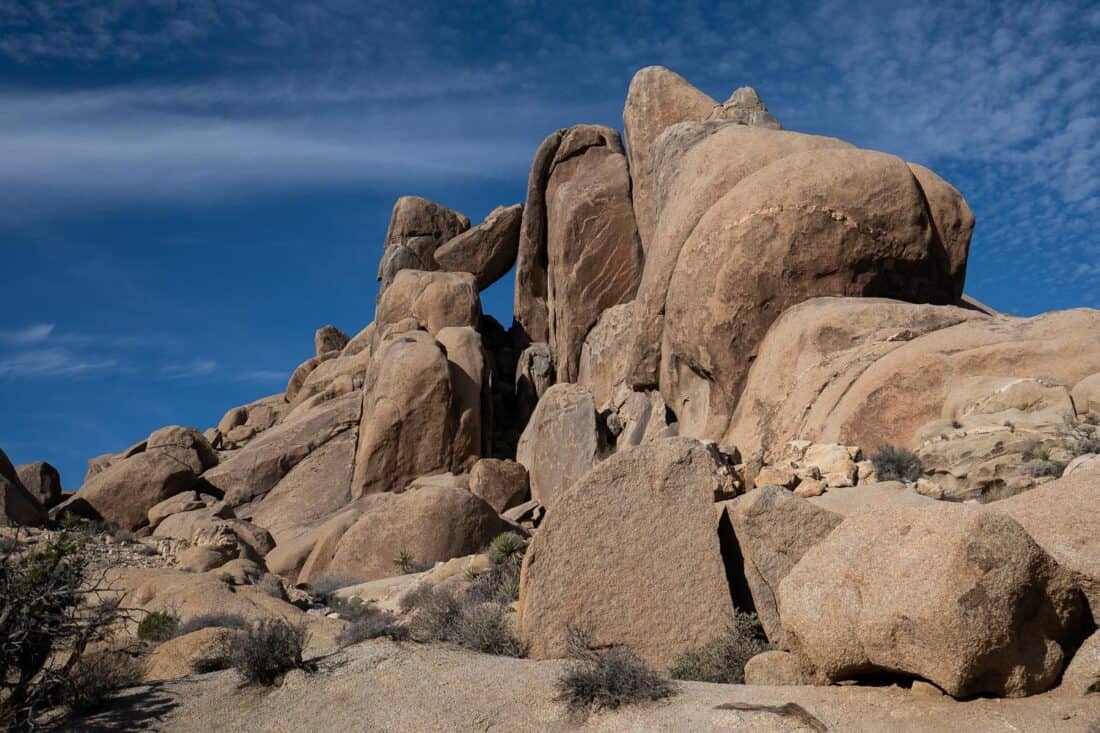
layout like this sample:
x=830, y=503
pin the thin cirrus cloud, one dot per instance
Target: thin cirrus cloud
x=62, y=149
x=189, y=370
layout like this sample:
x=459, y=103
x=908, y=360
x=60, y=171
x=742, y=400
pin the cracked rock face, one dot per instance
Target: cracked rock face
x=579, y=249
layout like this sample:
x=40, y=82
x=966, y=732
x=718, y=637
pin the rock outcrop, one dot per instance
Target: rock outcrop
x=872, y=372
x=630, y=551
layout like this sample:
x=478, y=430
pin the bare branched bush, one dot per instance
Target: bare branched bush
x=52, y=607
x=267, y=650
x=481, y=626
x=96, y=677
x=371, y=623
x=606, y=678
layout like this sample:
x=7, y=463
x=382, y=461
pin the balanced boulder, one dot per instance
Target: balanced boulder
x=954, y=595
x=417, y=228
x=488, y=251
x=329, y=338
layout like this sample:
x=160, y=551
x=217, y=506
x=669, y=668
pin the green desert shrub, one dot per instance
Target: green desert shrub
x=500, y=583
x=267, y=650
x=723, y=658
x=158, y=626
x=896, y=464
x=606, y=678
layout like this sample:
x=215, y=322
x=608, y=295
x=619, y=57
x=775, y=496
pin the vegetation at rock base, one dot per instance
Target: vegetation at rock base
x=606, y=678
x=723, y=658
x=896, y=464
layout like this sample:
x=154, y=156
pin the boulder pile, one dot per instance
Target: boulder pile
x=724, y=332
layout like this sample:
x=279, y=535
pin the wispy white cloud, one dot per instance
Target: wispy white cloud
x=264, y=376
x=190, y=370
x=50, y=362
x=34, y=334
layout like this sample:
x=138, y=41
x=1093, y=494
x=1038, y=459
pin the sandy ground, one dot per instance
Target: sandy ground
x=385, y=686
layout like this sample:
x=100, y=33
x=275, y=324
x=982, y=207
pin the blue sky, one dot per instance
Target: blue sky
x=189, y=189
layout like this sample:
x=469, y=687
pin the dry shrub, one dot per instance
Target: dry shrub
x=606, y=678
x=267, y=650
x=723, y=658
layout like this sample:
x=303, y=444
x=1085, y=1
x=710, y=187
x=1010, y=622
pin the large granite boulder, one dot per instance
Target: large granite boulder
x=693, y=165
x=951, y=594
x=302, y=371
x=823, y=222
x=17, y=505
x=865, y=372
x=605, y=356
x=488, y=251
x=417, y=228
x=561, y=441
x=582, y=255
x=745, y=107
x=774, y=529
x=168, y=462
x=434, y=299
x=1062, y=517
x=42, y=480
x=408, y=424
x=631, y=552
x=435, y=519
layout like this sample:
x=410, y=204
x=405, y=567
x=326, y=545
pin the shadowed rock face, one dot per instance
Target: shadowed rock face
x=17, y=504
